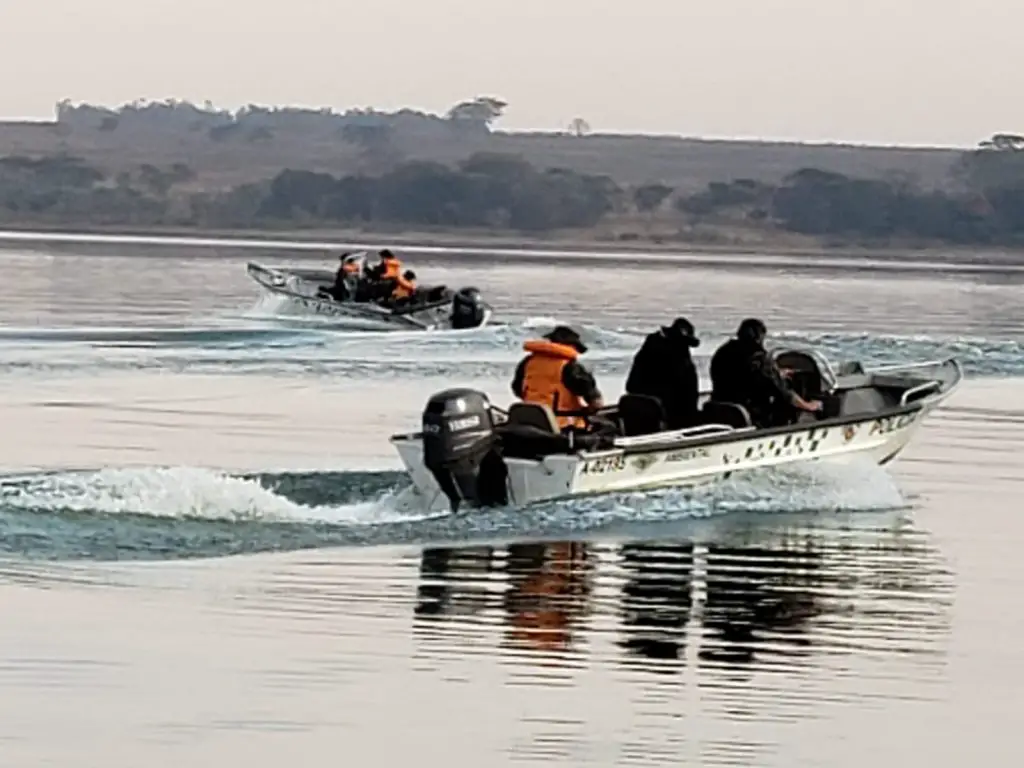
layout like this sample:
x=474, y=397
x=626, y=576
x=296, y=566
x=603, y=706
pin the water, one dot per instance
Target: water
x=200, y=561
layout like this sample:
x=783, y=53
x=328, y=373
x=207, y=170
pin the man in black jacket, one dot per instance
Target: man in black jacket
x=743, y=372
x=663, y=368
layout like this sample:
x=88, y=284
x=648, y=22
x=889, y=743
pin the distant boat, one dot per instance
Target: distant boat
x=432, y=308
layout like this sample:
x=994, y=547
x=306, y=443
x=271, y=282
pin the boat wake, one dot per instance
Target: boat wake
x=314, y=346
x=174, y=513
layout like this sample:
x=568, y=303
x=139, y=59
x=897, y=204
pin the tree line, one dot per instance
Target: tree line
x=489, y=191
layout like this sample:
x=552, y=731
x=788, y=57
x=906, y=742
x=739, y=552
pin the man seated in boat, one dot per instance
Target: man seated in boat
x=742, y=372
x=347, y=278
x=383, y=277
x=663, y=368
x=552, y=375
x=405, y=288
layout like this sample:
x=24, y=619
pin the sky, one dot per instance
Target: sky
x=916, y=72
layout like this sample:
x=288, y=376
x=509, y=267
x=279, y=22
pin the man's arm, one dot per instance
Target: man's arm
x=778, y=382
x=581, y=382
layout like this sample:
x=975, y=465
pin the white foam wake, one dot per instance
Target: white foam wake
x=820, y=487
x=179, y=492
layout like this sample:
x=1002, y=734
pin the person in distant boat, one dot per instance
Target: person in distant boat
x=663, y=368
x=552, y=375
x=743, y=372
x=405, y=287
x=347, y=278
x=384, y=275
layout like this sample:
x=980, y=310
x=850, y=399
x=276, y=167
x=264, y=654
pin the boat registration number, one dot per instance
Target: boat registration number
x=604, y=465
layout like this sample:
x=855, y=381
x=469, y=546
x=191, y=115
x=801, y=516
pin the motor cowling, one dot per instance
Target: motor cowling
x=458, y=445
x=468, y=309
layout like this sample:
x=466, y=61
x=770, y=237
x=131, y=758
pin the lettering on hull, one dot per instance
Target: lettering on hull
x=887, y=424
x=604, y=465
x=687, y=454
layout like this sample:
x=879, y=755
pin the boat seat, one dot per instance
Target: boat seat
x=641, y=415
x=731, y=414
x=533, y=415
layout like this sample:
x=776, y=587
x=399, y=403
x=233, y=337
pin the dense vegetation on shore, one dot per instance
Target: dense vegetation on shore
x=981, y=204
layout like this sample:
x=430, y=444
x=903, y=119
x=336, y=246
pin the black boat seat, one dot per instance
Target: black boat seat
x=641, y=415
x=731, y=414
x=531, y=432
x=533, y=415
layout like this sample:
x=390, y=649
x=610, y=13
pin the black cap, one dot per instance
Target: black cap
x=752, y=329
x=563, y=334
x=684, y=329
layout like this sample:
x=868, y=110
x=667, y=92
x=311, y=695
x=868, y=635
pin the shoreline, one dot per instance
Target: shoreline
x=454, y=242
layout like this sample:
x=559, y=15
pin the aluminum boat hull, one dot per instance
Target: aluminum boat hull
x=708, y=453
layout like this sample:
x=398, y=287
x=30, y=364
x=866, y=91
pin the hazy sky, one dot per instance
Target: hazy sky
x=887, y=71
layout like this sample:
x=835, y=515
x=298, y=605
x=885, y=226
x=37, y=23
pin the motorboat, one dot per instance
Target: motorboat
x=472, y=453
x=431, y=308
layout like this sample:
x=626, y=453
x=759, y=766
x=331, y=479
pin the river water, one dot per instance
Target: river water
x=201, y=565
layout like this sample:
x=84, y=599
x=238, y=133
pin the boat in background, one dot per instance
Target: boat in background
x=432, y=308
x=472, y=453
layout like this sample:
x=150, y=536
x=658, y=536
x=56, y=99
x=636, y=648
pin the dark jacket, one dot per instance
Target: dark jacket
x=743, y=372
x=663, y=368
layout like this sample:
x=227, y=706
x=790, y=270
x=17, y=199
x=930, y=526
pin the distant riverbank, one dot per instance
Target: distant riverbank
x=319, y=240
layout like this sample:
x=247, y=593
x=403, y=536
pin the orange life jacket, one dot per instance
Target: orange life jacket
x=392, y=269
x=542, y=380
x=404, y=288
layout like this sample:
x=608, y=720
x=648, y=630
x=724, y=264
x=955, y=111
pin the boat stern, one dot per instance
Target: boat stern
x=424, y=494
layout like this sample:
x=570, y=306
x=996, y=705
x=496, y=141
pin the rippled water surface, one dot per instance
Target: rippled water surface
x=201, y=562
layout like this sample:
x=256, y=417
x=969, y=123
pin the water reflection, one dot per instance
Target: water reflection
x=756, y=594
x=546, y=600
x=540, y=589
x=656, y=599
x=790, y=596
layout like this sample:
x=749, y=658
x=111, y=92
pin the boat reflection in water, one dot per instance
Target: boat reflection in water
x=540, y=588
x=785, y=594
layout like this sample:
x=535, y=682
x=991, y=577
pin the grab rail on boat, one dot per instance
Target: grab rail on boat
x=939, y=363
x=704, y=430
x=921, y=390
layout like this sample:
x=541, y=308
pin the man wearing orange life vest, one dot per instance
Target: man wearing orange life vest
x=551, y=375
x=388, y=268
x=385, y=274
x=406, y=286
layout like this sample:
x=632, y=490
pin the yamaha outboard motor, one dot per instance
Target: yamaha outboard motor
x=468, y=309
x=459, y=448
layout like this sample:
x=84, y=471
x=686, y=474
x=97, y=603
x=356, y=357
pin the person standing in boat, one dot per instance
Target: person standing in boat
x=552, y=375
x=663, y=369
x=743, y=372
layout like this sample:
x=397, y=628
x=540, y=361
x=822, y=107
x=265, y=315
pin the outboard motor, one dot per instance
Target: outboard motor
x=468, y=309
x=459, y=448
